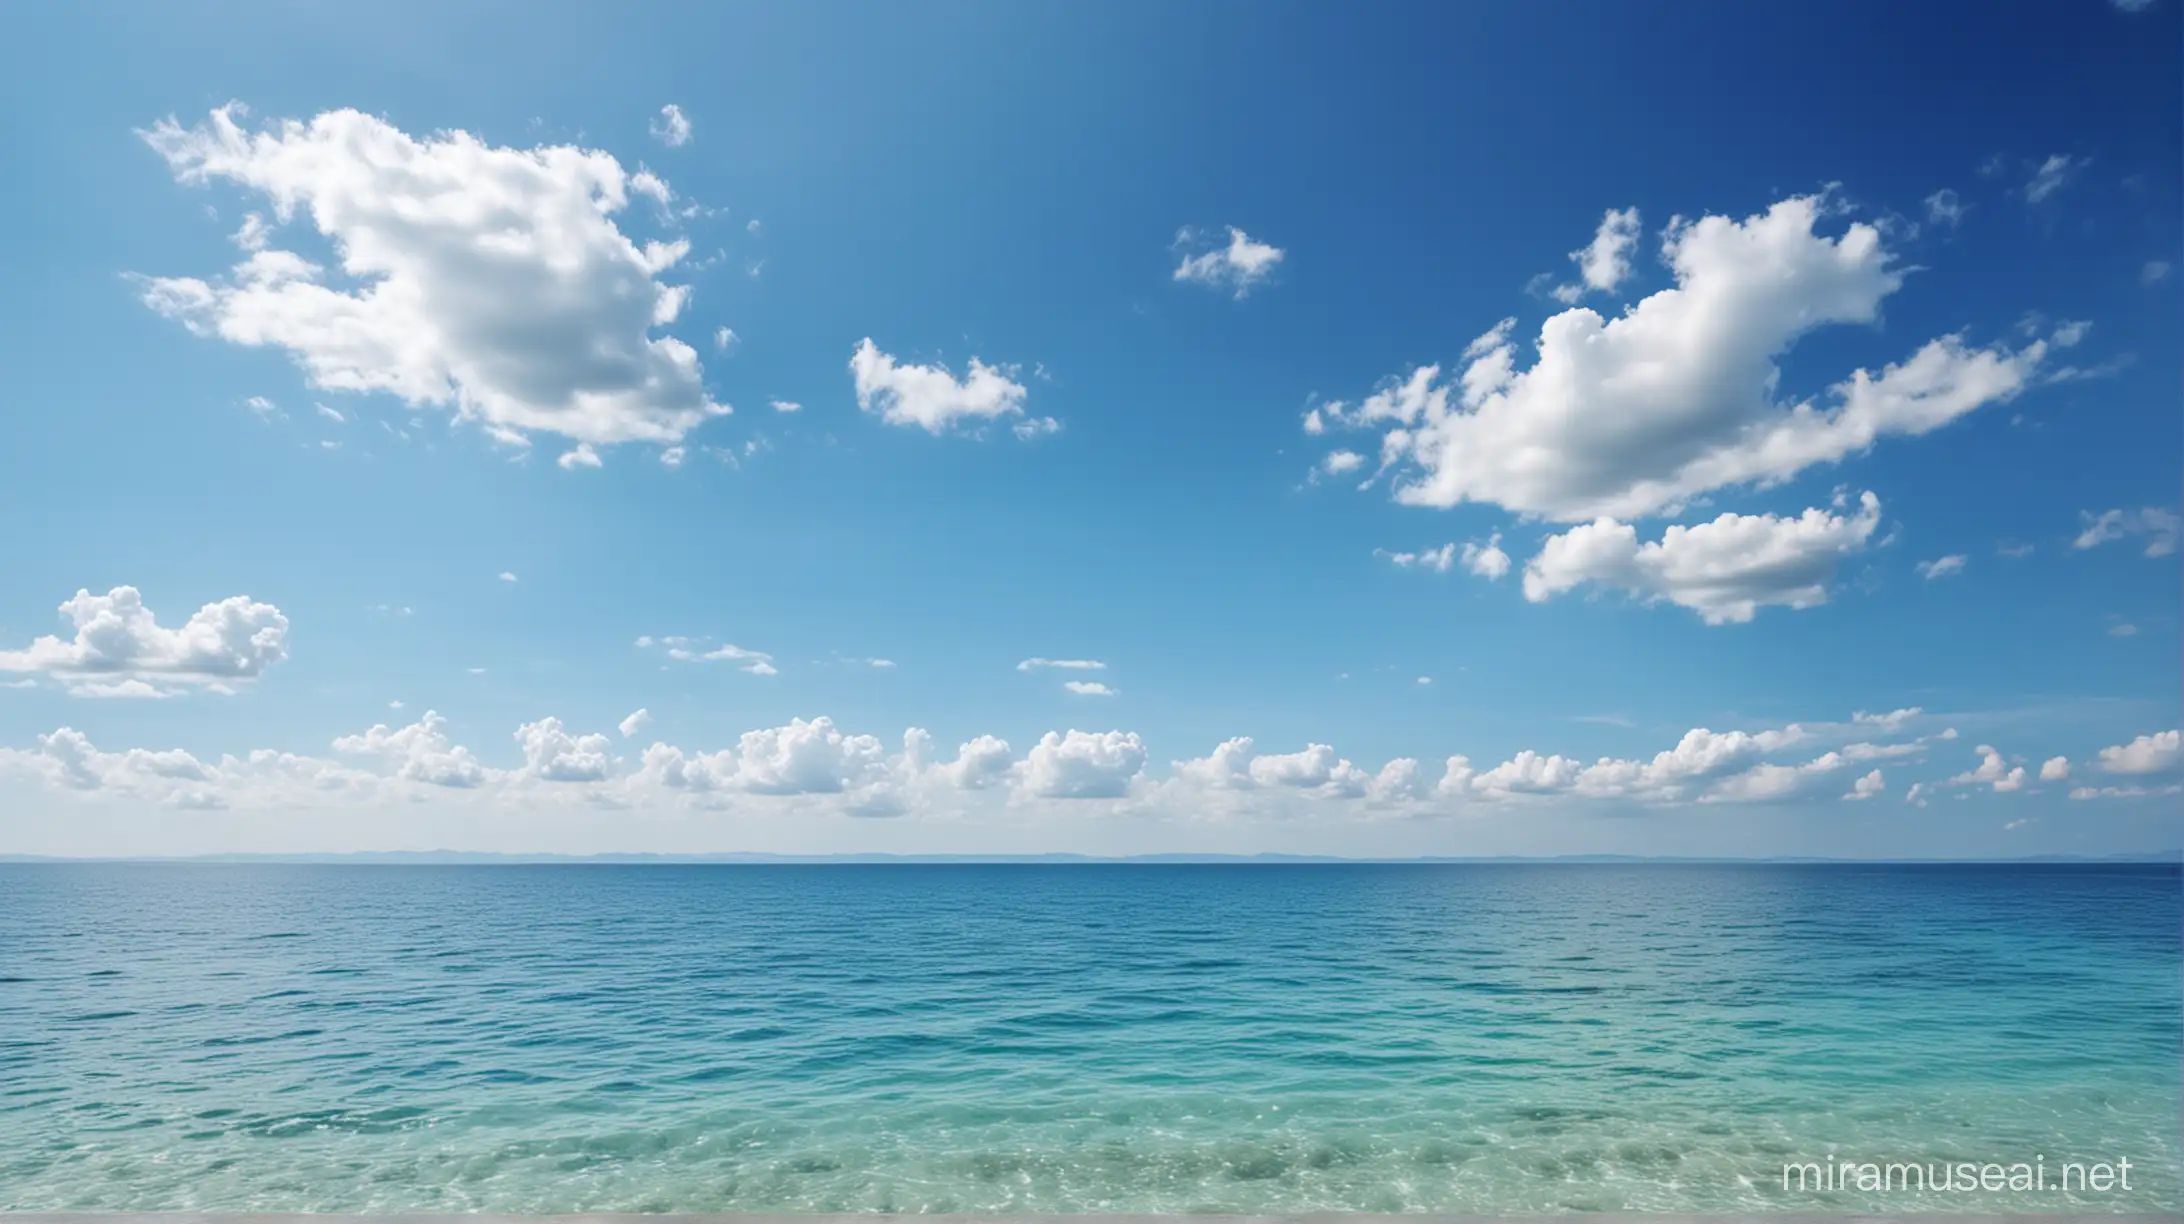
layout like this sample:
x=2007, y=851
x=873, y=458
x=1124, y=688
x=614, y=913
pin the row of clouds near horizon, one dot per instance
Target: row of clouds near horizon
x=867, y=777
x=120, y=650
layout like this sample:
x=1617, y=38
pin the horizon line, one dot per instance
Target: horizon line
x=1054, y=858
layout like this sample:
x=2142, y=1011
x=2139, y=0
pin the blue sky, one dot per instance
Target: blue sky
x=1051, y=191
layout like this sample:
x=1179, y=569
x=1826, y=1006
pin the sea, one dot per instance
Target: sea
x=1085, y=1037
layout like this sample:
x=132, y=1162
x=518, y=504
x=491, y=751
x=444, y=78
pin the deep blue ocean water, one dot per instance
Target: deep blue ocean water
x=1076, y=1038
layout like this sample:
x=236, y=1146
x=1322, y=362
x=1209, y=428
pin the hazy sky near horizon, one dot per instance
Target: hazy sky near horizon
x=1418, y=429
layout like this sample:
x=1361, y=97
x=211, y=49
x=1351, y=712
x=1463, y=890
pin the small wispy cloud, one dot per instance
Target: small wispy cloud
x=2050, y=176
x=1239, y=266
x=2162, y=529
x=1035, y=663
x=701, y=650
x=672, y=128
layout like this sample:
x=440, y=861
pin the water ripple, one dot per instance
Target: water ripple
x=1158, y=1038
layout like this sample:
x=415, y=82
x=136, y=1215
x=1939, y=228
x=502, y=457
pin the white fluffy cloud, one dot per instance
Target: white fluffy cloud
x=67, y=760
x=1088, y=688
x=2055, y=769
x=1237, y=765
x=1941, y=567
x=1993, y=771
x=979, y=763
x=76, y=763
x=1605, y=261
x=1705, y=760
x=1487, y=560
x=485, y=279
x=119, y=649
x=806, y=758
x=1340, y=463
x=672, y=128
x=420, y=752
x=1401, y=780
x=1083, y=765
x=1239, y=266
x=553, y=755
x=1528, y=772
x=935, y=400
x=1772, y=783
x=637, y=721
x=2156, y=753
x=1866, y=787
x=2159, y=753
x=1725, y=570
x=1678, y=396
x=2160, y=527
x=1228, y=765
x=1704, y=767
x=801, y=758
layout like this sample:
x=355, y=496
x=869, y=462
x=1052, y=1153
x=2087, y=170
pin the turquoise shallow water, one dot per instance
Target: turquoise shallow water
x=1111, y=1038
